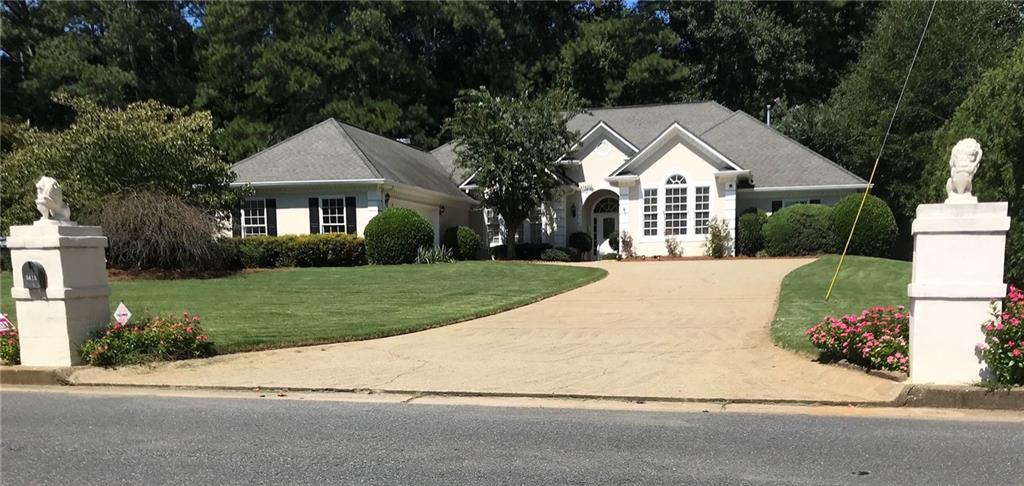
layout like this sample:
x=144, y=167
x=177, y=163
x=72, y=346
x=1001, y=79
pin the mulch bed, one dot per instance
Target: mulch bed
x=117, y=274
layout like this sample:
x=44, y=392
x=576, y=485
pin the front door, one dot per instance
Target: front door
x=605, y=222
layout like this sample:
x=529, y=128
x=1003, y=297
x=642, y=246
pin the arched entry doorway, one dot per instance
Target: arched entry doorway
x=602, y=219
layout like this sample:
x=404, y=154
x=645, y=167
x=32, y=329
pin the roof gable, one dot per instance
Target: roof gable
x=318, y=153
x=678, y=134
x=331, y=151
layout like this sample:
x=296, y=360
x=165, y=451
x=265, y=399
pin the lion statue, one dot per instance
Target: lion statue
x=963, y=163
x=50, y=201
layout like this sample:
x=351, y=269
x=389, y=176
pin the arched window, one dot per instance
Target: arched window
x=607, y=205
x=675, y=205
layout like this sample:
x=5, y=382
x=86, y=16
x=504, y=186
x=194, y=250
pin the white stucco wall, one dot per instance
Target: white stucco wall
x=293, y=205
x=762, y=200
x=677, y=158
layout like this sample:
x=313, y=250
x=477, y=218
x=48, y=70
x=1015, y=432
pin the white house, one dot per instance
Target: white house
x=334, y=178
x=657, y=172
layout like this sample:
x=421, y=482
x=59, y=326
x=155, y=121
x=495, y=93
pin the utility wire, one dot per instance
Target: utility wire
x=885, y=139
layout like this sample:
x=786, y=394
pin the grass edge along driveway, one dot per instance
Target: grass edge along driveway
x=303, y=306
x=863, y=282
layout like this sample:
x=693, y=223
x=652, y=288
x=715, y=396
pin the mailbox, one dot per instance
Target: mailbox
x=33, y=276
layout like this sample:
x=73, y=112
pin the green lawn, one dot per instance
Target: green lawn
x=863, y=282
x=318, y=305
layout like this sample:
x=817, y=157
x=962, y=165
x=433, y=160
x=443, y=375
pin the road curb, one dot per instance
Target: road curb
x=964, y=397
x=35, y=375
x=416, y=394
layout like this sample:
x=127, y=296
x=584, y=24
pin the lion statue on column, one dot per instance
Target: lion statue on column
x=963, y=164
x=50, y=201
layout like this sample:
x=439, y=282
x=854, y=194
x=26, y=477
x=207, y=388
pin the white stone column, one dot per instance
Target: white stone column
x=957, y=273
x=728, y=210
x=624, y=203
x=55, y=320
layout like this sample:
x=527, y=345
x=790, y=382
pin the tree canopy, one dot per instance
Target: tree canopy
x=145, y=146
x=511, y=145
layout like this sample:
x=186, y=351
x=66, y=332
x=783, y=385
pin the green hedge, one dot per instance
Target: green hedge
x=801, y=229
x=750, y=232
x=323, y=250
x=463, y=241
x=396, y=235
x=555, y=255
x=524, y=251
x=876, y=231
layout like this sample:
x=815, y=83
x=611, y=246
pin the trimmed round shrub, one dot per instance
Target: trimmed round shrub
x=750, y=232
x=396, y=235
x=876, y=231
x=554, y=255
x=148, y=230
x=581, y=241
x=613, y=240
x=801, y=229
x=463, y=241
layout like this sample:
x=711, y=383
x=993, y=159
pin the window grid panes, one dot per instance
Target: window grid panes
x=675, y=206
x=332, y=215
x=254, y=217
x=675, y=211
x=607, y=205
x=701, y=209
x=650, y=212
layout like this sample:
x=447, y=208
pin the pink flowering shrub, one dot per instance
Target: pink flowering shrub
x=1004, y=338
x=10, y=351
x=877, y=338
x=158, y=338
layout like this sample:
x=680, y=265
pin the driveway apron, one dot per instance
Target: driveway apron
x=693, y=329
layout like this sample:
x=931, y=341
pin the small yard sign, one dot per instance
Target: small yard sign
x=122, y=314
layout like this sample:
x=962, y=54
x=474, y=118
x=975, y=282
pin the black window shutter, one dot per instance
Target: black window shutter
x=314, y=215
x=236, y=222
x=271, y=217
x=776, y=205
x=350, y=215
x=815, y=201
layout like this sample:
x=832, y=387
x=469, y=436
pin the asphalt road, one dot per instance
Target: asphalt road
x=56, y=438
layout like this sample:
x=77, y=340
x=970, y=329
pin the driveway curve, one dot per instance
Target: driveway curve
x=693, y=329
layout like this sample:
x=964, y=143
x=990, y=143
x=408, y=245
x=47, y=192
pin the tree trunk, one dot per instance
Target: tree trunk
x=510, y=241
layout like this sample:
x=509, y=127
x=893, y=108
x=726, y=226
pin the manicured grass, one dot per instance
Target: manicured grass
x=864, y=282
x=318, y=305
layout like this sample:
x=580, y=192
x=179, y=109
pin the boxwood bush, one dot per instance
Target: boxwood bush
x=323, y=250
x=581, y=241
x=876, y=231
x=396, y=235
x=463, y=241
x=524, y=251
x=750, y=232
x=555, y=255
x=801, y=229
x=327, y=250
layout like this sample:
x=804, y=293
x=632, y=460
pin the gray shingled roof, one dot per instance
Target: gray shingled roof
x=641, y=124
x=773, y=159
x=331, y=150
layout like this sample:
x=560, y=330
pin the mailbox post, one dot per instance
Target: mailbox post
x=60, y=282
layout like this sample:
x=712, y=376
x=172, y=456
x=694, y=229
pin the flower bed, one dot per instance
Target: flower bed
x=1004, y=338
x=876, y=339
x=159, y=338
x=10, y=352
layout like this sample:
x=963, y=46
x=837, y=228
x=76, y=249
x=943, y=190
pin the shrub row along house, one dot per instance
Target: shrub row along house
x=656, y=172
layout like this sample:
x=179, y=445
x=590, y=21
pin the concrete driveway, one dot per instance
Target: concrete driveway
x=683, y=329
